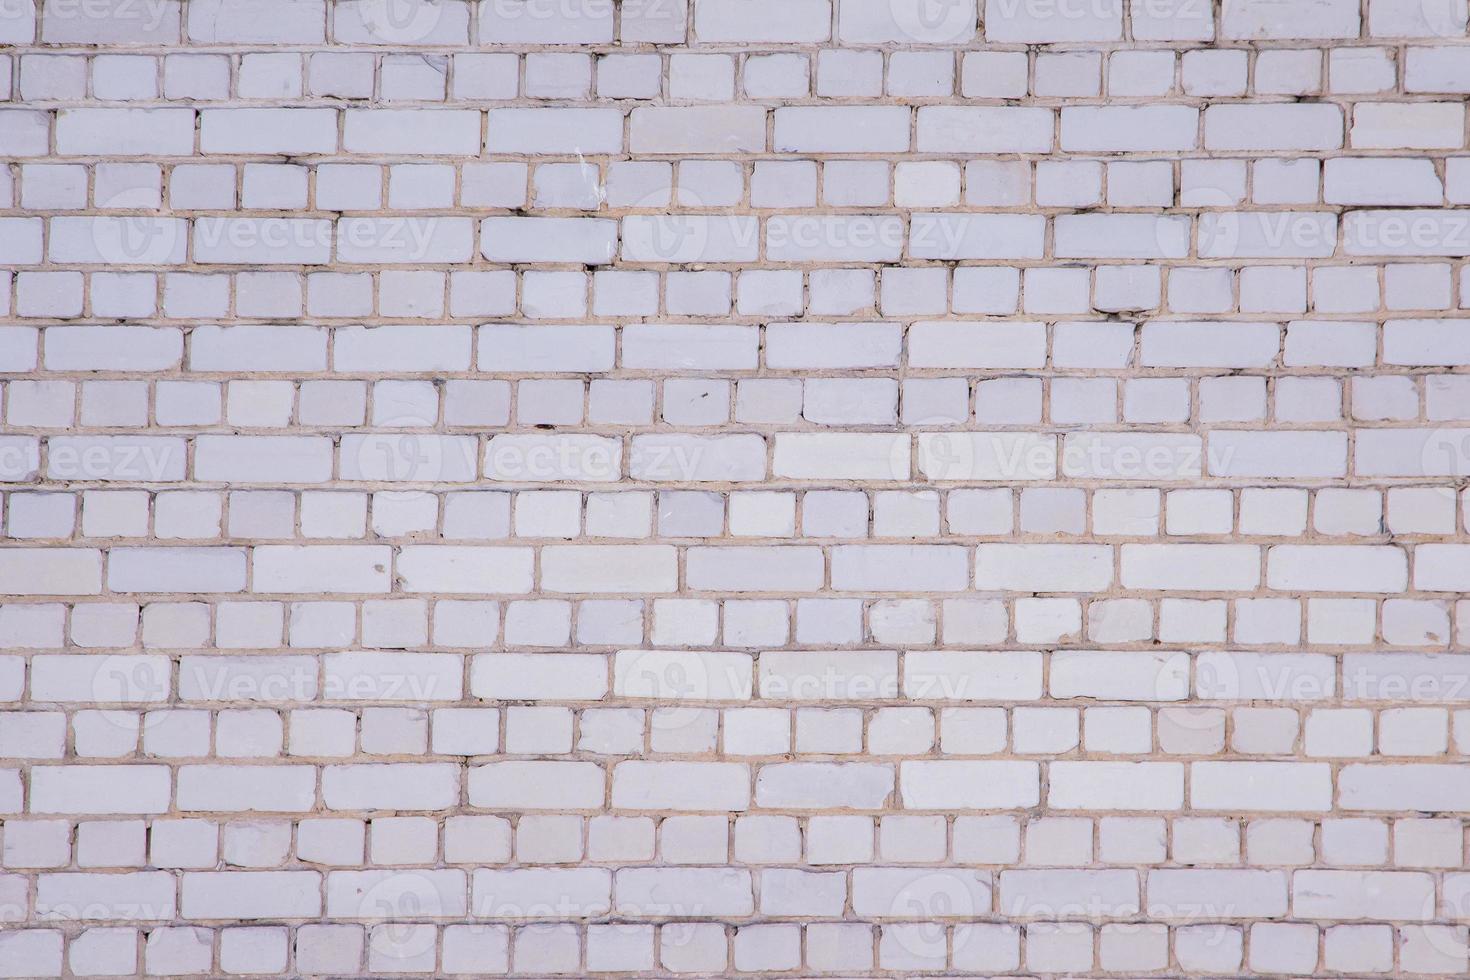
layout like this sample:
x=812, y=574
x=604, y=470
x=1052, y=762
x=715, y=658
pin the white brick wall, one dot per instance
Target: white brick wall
x=728, y=487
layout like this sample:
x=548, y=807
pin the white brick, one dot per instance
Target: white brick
x=1122, y=128
x=697, y=129
x=852, y=456
x=904, y=22
x=681, y=786
x=283, y=131
x=953, y=783
x=1258, y=19
x=1043, y=567
x=984, y=129
x=41, y=571
x=319, y=568
x=1032, y=24
x=1273, y=127
x=640, y=526
x=609, y=568
x=100, y=789
x=898, y=568
x=411, y=131
x=1116, y=785
x=125, y=132
x=1277, y=786
x=786, y=23
x=1373, y=568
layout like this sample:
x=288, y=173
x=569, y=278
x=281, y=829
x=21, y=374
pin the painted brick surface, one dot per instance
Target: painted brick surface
x=734, y=487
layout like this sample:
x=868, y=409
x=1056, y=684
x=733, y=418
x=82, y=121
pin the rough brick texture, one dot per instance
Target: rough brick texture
x=729, y=487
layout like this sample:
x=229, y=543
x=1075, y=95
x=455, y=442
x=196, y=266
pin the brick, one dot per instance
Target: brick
x=1116, y=785
x=411, y=131
x=697, y=129
x=1009, y=23
x=794, y=23
x=680, y=786
x=886, y=568
x=283, y=131
x=1184, y=892
x=397, y=785
x=1392, y=787
x=319, y=568
x=531, y=131
x=946, y=784
x=1043, y=567
x=1123, y=128
x=290, y=789
x=39, y=571
x=1277, y=786
x=1273, y=127
x=125, y=131
x=176, y=569
x=141, y=895
x=984, y=129
x=842, y=129
x=1255, y=19
x=99, y=789
x=823, y=785
x=250, y=894
x=1373, y=568
x=587, y=241
x=820, y=483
